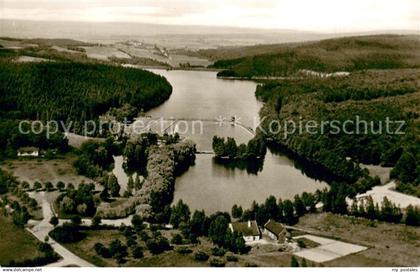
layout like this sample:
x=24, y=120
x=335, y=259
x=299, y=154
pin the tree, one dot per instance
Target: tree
x=114, y=186
x=218, y=229
x=294, y=262
x=219, y=146
x=117, y=249
x=25, y=185
x=76, y=220
x=70, y=187
x=104, y=195
x=60, y=186
x=137, y=184
x=289, y=212
x=299, y=206
x=54, y=221
x=96, y=221
x=413, y=216
x=271, y=208
x=231, y=148
x=137, y=222
x=130, y=185
x=137, y=252
x=180, y=213
x=37, y=186
x=49, y=186
x=177, y=239
x=237, y=211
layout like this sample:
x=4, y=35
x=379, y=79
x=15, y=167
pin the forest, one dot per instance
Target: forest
x=71, y=91
x=374, y=97
x=331, y=55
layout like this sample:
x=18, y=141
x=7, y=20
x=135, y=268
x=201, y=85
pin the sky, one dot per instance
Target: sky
x=310, y=15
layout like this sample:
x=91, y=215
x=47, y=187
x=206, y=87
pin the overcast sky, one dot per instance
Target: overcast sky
x=313, y=15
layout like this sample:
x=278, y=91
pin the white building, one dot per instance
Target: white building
x=249, y=230
x=29, y=151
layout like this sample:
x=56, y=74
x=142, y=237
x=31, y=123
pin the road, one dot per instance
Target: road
x=41, y=229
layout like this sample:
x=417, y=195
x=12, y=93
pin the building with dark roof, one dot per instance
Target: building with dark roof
x=275, y=230
x=249, y=230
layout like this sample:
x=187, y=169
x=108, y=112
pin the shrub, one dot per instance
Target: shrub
x=201, y=256
x=218, y=251
x=216, y=262
x=184, y=250
x=231, y=258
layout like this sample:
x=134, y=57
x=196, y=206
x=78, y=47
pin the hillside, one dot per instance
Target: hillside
x=340, y=54
x=371, y=96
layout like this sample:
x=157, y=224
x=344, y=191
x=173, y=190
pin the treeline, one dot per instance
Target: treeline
x=340, y=54
x=70, y=91
x=334, y=200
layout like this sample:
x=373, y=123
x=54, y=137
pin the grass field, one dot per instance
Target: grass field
x=388, y=244
x=15, y=243
x=55, y=170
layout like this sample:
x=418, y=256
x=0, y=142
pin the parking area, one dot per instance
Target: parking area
x=328, y=250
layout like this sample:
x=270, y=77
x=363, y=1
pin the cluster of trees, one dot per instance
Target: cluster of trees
x=96, y=157
x=286, y=211
x=78, y=201
x=255, y=149
x=407, y=170
x=215, y=226
x=71, y=91
x=334, y=200
x=111, y=187
x=11, y=138
x=136, y=153
x=126, y=113
x=155, y=193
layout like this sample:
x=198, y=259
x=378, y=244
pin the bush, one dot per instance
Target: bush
x=66, y=234
x=102, y=251
x=218, y=251
x=201, y=256
x=177, y=239
x=137, y=252
x=216, y=262
x=184, y=250
x=231, y=258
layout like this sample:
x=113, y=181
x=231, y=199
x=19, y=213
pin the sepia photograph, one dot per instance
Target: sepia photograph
x=247, y=134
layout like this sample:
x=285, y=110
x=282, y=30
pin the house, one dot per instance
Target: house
x=249, y=230
x=28, y=151
x=275, y=230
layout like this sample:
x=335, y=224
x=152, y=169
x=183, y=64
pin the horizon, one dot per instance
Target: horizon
x=325, y=16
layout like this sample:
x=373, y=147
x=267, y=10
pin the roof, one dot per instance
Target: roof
x=242, y=227
x=274, y=227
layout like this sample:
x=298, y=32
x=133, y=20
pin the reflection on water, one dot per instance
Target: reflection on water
x=208, y=185
x=212, y=187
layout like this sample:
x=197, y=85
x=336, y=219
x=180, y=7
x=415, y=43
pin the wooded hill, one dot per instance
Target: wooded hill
x=340, y=54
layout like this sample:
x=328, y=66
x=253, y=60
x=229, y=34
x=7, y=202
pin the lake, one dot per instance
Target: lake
x=208, y=185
